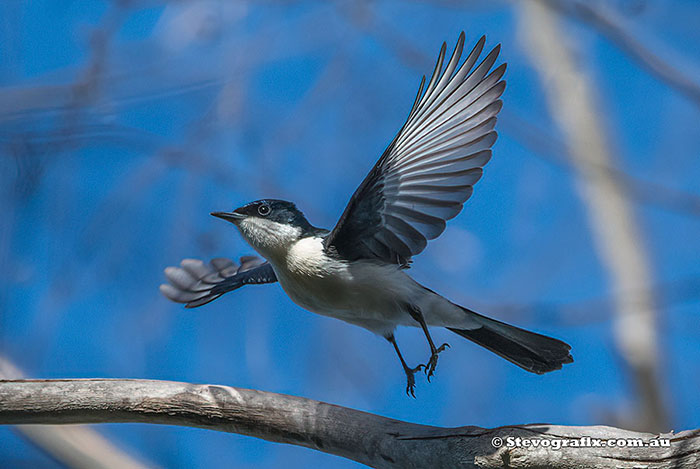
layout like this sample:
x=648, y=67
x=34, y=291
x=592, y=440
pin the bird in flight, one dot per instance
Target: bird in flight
x=357, y=272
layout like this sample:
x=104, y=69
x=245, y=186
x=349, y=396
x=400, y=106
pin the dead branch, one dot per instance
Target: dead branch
x=75, y=446
x=366, y=438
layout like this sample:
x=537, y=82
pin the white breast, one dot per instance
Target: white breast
x=306, y=257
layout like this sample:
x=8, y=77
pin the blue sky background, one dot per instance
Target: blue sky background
x=122, y=127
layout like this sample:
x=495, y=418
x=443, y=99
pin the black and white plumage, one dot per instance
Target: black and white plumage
x=357, y=271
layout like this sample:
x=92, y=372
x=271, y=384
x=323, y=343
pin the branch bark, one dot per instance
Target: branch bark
x=74, y=446
x=366, y=438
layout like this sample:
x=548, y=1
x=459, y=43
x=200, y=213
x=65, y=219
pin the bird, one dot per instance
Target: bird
x=358, y=271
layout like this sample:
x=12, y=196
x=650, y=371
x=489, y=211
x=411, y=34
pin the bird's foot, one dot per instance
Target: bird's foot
x=432, y=363
x=411, y=380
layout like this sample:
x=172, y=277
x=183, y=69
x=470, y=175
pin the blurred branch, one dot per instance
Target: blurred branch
x=572, y=103
x=366, y=438
x=74, y=446
x=545, y=145
x=589, y=311
x=658, y=67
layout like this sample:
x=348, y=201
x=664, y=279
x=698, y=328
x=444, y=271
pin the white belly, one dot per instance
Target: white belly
x=363, y=291
x=367, y=294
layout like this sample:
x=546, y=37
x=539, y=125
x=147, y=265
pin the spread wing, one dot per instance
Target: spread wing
x=196, y=283
x=428, y=170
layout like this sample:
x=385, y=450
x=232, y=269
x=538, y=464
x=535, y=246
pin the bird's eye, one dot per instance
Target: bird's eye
x=264, y=210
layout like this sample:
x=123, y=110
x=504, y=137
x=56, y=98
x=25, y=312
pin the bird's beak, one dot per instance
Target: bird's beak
x=229, y=216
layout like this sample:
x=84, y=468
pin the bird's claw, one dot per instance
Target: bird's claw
x=411, y=380
x=432, y=363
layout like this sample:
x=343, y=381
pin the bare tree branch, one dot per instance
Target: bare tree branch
x=366, y=438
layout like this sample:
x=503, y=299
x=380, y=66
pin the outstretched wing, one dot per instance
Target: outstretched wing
x=196, y=283
x=428, y=170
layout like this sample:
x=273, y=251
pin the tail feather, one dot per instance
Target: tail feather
x=196, y=283
x=531, y=351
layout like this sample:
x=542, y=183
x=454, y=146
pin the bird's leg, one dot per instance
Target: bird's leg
x=410, y=380
x=434, y=351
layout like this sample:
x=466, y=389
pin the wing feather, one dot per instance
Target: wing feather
x=429, y=170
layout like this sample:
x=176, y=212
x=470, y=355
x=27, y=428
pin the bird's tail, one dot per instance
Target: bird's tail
x=196, y=283
x=531, y=351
